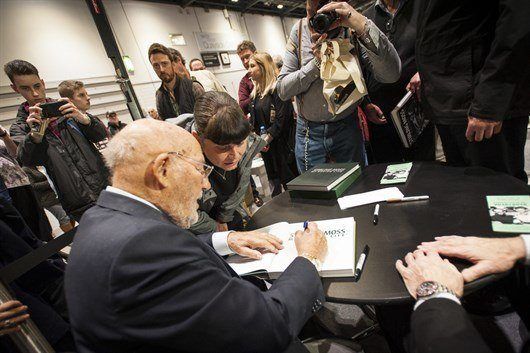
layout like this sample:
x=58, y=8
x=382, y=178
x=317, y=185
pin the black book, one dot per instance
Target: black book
x=408, y=119
x=323, y=177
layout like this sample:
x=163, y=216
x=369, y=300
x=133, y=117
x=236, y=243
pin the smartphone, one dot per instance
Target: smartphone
x=51, y=110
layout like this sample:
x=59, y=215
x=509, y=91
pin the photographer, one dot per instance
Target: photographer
x=65, y=147
x=114, y=124
x=300, y=77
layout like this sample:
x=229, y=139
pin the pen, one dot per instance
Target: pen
x=410, y=198
x=306, y=223
x=360, y=263
x=376, y=214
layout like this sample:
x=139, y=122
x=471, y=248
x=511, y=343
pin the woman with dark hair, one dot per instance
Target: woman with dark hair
x=229, y=146
x=274, y=120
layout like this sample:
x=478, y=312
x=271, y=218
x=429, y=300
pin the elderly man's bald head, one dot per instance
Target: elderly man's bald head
x=141, y=162
x=142, y=140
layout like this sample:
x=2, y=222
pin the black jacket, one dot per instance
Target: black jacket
x=473, y=59
x=72, y=162
x=440, y=326
x=183, y=91
x=136, y=282
x=277, y=116
x=113, y=129
x=401, y=32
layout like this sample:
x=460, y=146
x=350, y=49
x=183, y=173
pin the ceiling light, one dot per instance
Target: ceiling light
x=234, y=0
x=280, y=6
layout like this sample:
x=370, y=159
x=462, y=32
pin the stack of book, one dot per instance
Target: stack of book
x=324, y=181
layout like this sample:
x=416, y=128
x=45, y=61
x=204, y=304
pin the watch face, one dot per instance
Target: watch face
x=426, y=288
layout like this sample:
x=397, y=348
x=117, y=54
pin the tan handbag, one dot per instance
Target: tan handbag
x=341, y=72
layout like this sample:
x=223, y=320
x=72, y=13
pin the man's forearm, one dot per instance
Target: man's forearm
x=297, y=82
x=384, y=61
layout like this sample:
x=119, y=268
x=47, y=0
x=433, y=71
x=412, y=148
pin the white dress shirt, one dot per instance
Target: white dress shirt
x=219, y=239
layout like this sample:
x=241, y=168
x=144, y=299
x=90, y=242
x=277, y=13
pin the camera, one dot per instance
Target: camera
x=321, y=22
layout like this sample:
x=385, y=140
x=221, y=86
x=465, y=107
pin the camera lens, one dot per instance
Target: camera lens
x=321, y=22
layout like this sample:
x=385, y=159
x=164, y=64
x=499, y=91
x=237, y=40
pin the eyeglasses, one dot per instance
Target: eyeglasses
x=206, y=169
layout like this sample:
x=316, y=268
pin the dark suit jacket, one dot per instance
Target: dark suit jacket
x=441, y=326
x=136, y=282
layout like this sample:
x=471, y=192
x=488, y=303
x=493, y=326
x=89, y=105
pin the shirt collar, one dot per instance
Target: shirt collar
x=382, y=6
x=131, y=196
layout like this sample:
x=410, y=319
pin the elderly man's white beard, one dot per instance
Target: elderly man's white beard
x=184, y=214
x=184, y=221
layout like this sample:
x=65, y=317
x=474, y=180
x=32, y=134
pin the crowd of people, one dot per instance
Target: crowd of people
x=167, y=197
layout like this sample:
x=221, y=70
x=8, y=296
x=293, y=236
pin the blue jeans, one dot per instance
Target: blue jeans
x=338, y=142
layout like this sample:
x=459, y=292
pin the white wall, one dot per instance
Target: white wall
x=59, y=37
x=66, y=44
x=138, y=24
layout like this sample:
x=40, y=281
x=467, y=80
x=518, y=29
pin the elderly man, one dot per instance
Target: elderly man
x=139, y=281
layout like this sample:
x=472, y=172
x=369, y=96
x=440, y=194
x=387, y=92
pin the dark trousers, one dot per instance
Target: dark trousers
x=386, y=147
x=503, y=152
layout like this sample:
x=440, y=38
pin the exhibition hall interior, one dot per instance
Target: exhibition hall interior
x=264, y=176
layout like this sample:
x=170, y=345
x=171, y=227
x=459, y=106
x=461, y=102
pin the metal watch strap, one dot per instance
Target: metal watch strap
x=439, y=289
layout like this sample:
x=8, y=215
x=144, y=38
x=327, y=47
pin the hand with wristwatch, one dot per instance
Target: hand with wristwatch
x=426, y=275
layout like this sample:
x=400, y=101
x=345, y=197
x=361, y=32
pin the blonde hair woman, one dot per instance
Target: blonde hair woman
x=273, y=119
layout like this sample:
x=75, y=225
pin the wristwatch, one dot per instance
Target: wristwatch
x=430, y=288
x=318, y=63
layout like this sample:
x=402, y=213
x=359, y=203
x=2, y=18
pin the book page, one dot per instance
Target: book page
x=243, y=265
x=340, y=259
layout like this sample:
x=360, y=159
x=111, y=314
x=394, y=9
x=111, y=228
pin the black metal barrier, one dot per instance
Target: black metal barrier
x=29, y=339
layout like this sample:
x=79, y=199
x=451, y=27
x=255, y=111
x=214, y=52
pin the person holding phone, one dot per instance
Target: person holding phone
x=63, y=143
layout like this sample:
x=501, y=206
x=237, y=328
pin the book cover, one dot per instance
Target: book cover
x=396, y=173
x=323, y=177
x=509, y=213
x=339, y=262
x=334, y=193
x=408, y=119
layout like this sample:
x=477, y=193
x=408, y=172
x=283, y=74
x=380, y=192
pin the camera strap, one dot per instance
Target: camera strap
x=299, y=98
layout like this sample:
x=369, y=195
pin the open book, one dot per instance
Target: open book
x=340, y=259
